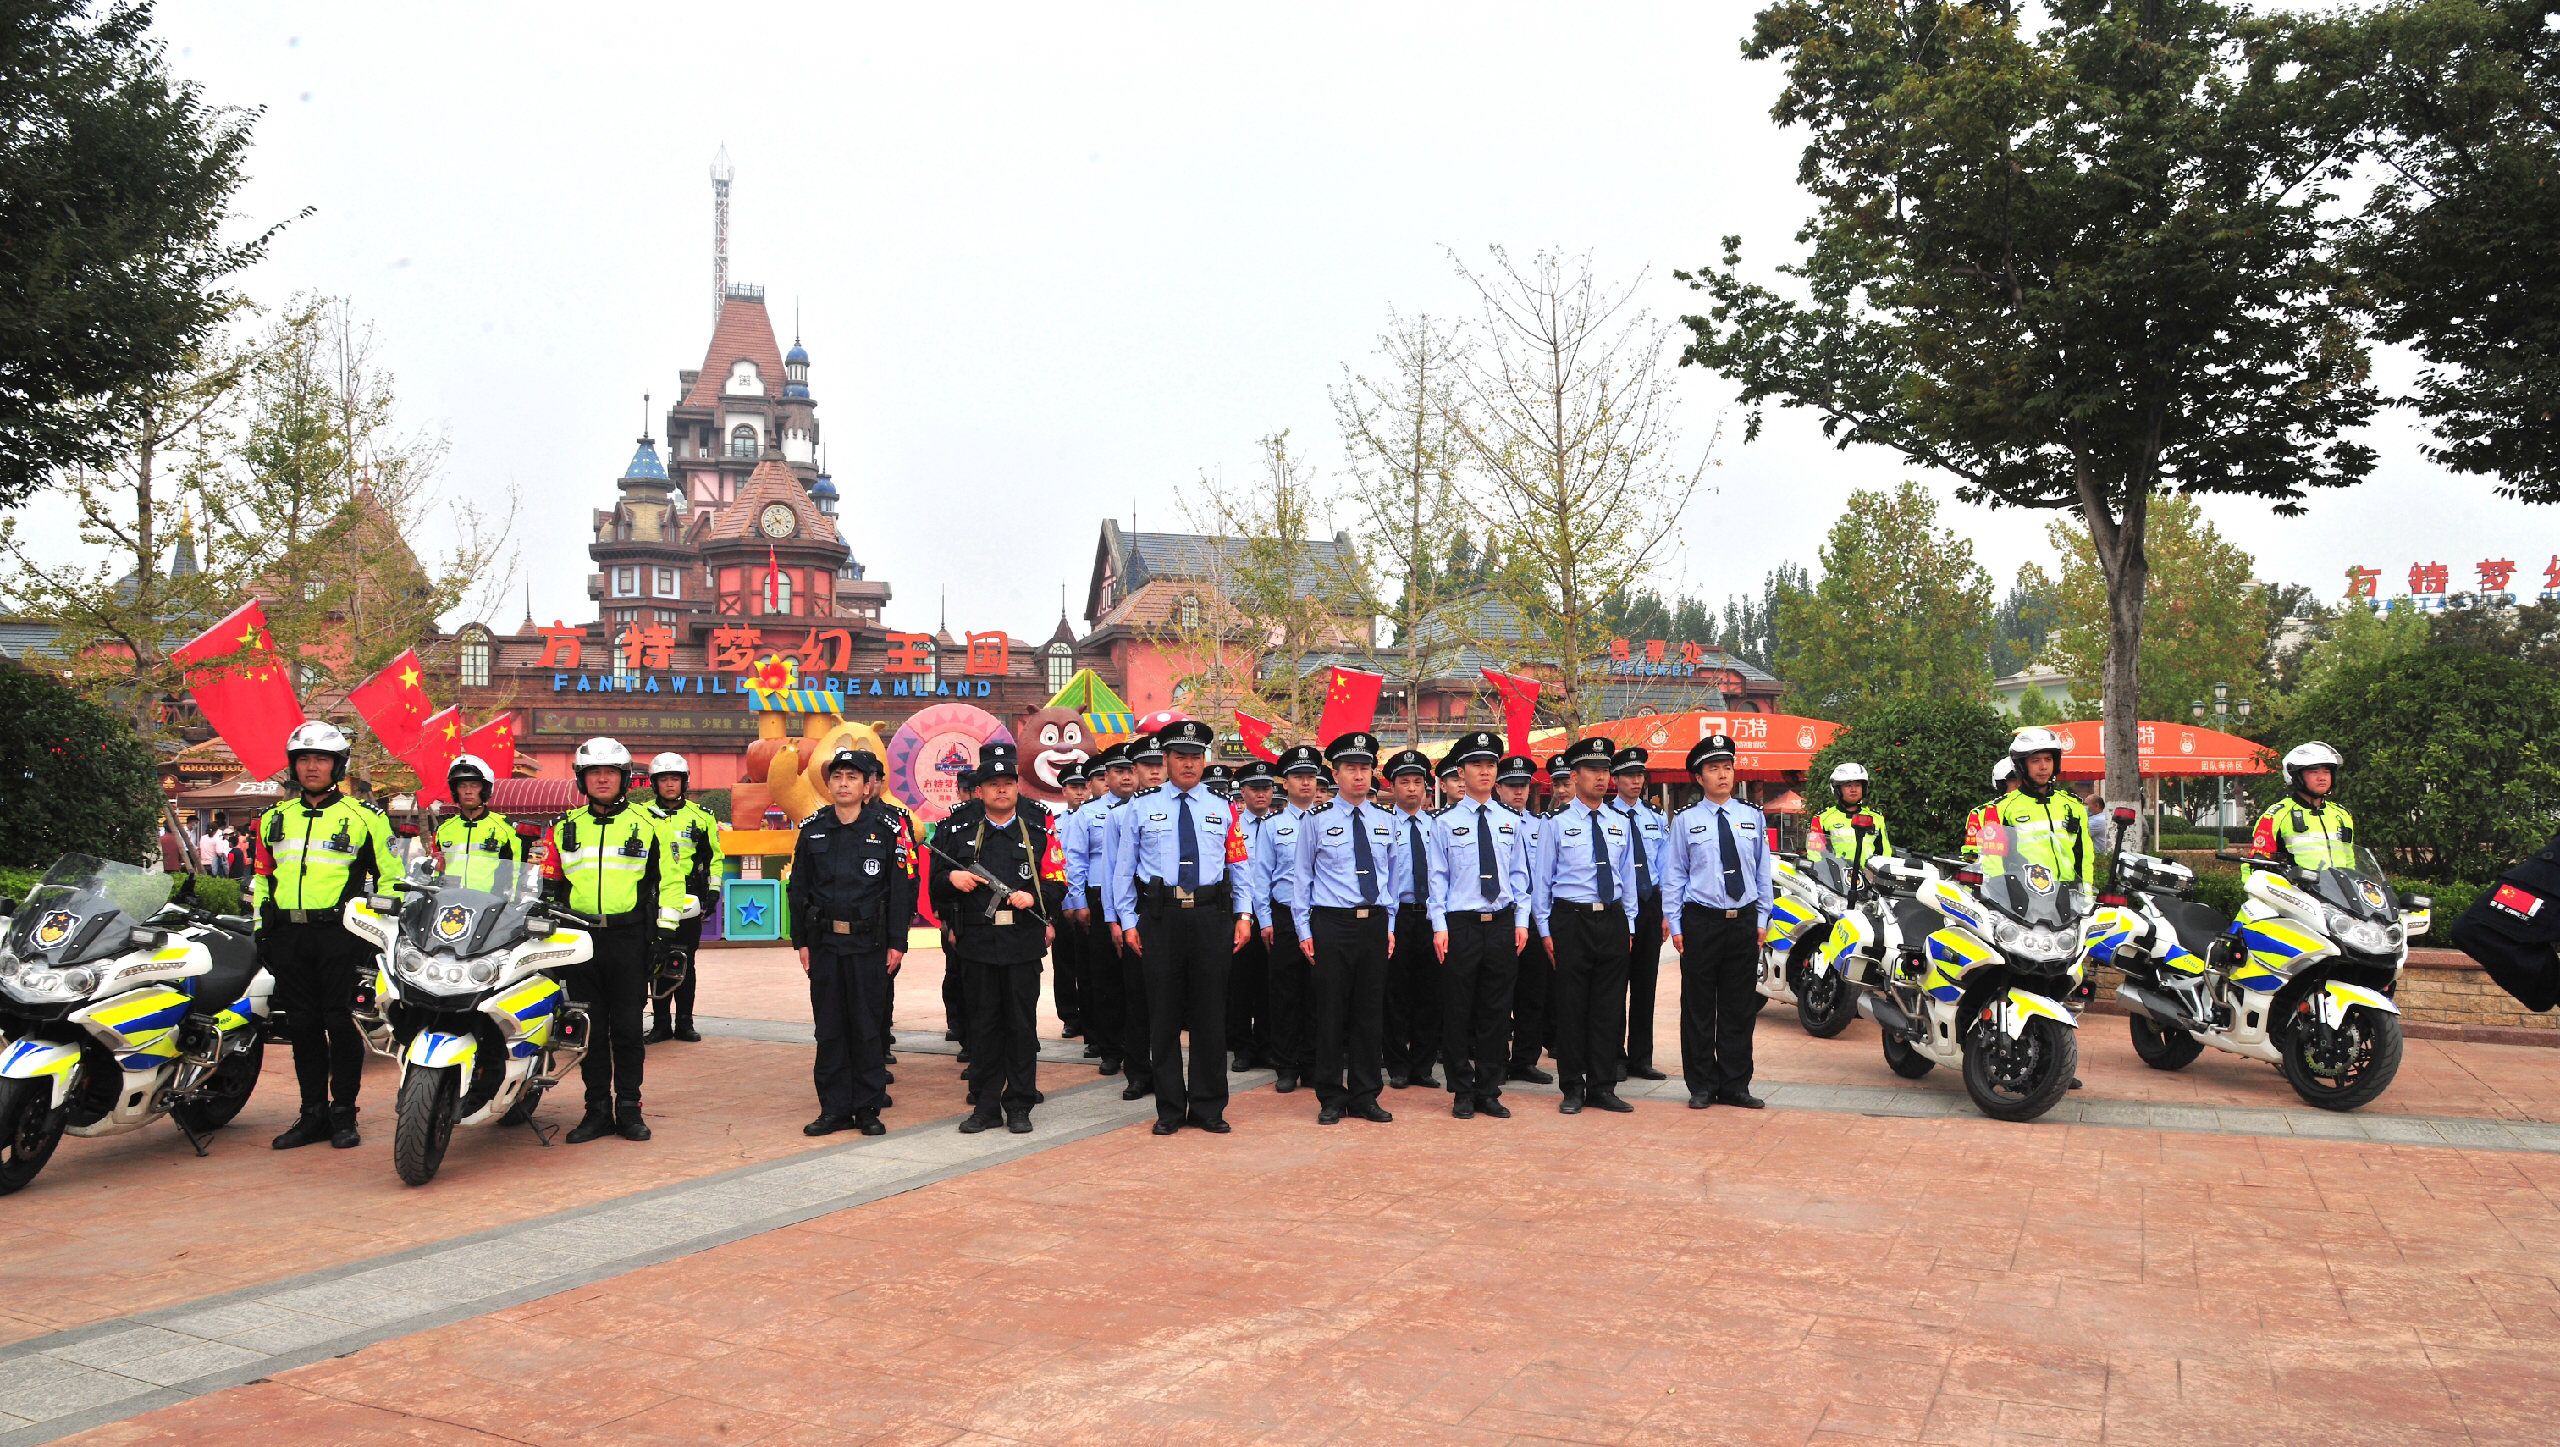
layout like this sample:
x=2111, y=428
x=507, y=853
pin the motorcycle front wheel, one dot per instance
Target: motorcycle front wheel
x=227, y=1090
x=2163, y=1049
x=2343, y=1068
x=29, y=1130
x=1825, y=1003
x=423, y=1121
x=2023, y=1078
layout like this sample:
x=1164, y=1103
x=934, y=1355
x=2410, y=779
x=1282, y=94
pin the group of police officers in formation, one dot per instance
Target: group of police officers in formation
x=1349, y=942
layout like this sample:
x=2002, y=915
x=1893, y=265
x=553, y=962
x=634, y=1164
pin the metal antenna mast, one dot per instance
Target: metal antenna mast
x=721, y=174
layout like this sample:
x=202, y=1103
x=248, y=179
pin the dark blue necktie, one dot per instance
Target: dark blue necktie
x=1188, y=848
x=1635, y=841
x=1487, y=886
x=1732, y=859
x=1604, y=884
x=1367, y=862
x=1417, y=891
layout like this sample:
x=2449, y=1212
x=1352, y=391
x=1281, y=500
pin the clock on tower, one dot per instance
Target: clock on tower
x=778, y=520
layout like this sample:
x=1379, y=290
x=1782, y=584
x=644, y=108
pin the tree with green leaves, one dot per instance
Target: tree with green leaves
x=2355, y=637
x=116, y=180
x=2074, y=267
x=2020, y=626
x=1901, y=611
x=1749, y=627
x=2203, y=622
x=1931, y=760
x=73, y=777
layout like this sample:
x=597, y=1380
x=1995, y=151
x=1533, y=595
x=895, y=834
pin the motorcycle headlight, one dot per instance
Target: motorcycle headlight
x=78, y=982
x=409, y=963
x=483, y=971
x=2006, y=935
x=2042, y=944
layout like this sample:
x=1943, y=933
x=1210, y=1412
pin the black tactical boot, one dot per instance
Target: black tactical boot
x=627, y=1122
x=342, y=1127
x=598, y=1121
x=311, y=1129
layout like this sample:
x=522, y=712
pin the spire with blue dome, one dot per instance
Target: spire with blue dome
x=645, y=463
x=795, y=368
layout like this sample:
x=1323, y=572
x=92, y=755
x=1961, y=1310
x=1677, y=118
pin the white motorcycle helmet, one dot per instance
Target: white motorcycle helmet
x=319, y=736
x=2313, y=755
x=2031, y=742
x=602, y=753
x=1848, y=774
x=670, y=763
x=2003, y=771
x=471, y=766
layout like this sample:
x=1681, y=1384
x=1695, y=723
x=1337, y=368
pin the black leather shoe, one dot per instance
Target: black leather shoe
x=1701, y=1101
x=1135, y=1091
x=1018, y=1122
x=688, y=1034
x=977, y=1122
x=1492, y=1106
x=887, y=1101
x=890, y=1059
x=628, y=1124
x=1398, y=1079
x=1329, y=1115
x=598, y=1121
x=1070, y=1029
x=658, y=1034
x=1285, y=1082
x=951, y=1035
x=868, y=1122
x=1572, y=1102
x=2075, y=1082
x=1608, y=1100
x=1645, y=1072
x=1167, y=1127
x=1239, y=1063
x=891, y=1077
x=827, y=1125
x=1426, y=1081
x=311, y=1129
x=1463, y=1108
x=1742, y=1098
x=1109, y=1066
x=342, y=1128
x=1093, y=1052
x=1213, y=1127
x=1529, y=1073
x=964, y=1057
x=1372, y=1111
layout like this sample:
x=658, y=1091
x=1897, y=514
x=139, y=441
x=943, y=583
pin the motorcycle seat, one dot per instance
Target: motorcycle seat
x=2199, y=927
x=1917, y=921
x=235, y=963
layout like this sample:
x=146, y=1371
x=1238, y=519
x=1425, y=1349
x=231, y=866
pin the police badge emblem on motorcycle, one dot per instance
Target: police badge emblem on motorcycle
x=53, y=929
x=2039, y=879
x=451, y=921
x=2371, y=891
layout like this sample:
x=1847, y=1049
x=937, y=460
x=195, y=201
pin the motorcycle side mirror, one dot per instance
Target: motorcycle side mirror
x=2124, y=814
x=8, y=905
x=382, y=903
x=143, y=937
x=405, y=829
x=186, y=889
x=1863, y=821
x=525, y=829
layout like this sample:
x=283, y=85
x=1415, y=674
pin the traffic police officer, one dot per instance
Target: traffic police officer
x=1586, y=898
x=998, y=933
x=479, y=849
x=1290, y=1035
x=1835, y=830
x=1352, y=874
x=2308, y=829
x=1718, y=870
x=1533, y=984
x=2042, y=823
x=611, y=863
x=1412, y=1014
x=315, y=852
x=1185, y=885
x=694, y=837
x=1479, y=858
x=2004, y=777
x=1646, y=840
x=1249, y=984
x=1087, y=840
x=851, y=894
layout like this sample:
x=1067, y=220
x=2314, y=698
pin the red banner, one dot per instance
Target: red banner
x=244, y=688
x=438, y=742
x=1519, y=706
x=495, y=744
x=394, y=702
x=1256, y=733
x=1350, y=704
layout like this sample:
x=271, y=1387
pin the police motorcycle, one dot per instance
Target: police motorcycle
x=469, y=992
x=1988, y=987
x=1834, y=928
x=2302, y=980
x=119, y=1005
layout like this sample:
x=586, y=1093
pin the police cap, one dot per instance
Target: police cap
x=1301, y=759
x=1480, y=745
x=861, y=761
x=1409, y=761
x=1187, y=736
x=1710, y=749
x=1594, y=752
x=1353, y=748
x=1628, y=761
x=1257, y=772
x=997, y=761
x=1516, y=769
x=1146, y=749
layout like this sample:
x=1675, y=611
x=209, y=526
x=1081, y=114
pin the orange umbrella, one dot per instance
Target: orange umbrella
x=2167, y=750
x=1765, y=745
x=1789, y=802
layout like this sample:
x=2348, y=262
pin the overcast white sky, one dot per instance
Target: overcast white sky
x=1052, y=259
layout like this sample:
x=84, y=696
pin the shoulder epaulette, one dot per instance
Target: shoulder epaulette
x=1320, y=808
x=369, y=804
x=1443, y=809
x=805, y=818
x=1117, y=802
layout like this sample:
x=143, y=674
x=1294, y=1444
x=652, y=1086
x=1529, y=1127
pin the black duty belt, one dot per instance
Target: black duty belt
x=1580, y=906
x=1483, y=916
x=1351, y=911
x=1719, y=912
x=1156, y=894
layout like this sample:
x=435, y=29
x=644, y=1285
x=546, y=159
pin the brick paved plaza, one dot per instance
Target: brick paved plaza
x=1856, y=1263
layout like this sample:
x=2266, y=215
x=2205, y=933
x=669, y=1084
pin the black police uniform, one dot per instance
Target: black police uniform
x=996, y=949
x=955, y=998
x=851, y=897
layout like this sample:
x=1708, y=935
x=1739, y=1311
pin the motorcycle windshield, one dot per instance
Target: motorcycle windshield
x=2360, y=892
x=2032, y=896
x=464, y=903
x=82, y=907
x=1829, y=872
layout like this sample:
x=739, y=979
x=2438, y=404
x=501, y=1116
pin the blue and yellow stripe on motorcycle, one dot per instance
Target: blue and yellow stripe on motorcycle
x=1787, y=919
x=2279, y=940
x=526, y=1009
x=2337, y=997
x=2110, y=929
x=1950, y=900
x=1951, y=953
x=143, y=1021
x=2185, y=961
x=39, y=1060
x=1847, y=935
x=2026, y=1004
x=2255, y=975
x=434, y=1049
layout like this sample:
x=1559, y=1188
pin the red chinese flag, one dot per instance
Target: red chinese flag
x=1350, y=703
x=1519, y=706
x=772, y=581
x=244, y=688
x=1256, y=733
x=438, y=742
x=394, y=702
x=495, y=743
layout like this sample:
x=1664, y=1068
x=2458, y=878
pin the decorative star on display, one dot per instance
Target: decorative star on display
x=409, y=677
x=751, y=911
x=249, y=637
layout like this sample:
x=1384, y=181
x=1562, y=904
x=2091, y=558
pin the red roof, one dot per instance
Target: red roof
x=544, y=797
x=773, y=482
x=744, y=331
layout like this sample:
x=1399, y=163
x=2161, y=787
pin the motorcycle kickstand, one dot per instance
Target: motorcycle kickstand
x=541, y=1133
x=193, y=1139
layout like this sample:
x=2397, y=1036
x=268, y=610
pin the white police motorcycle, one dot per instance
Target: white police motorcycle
x=469, y=992
x=1835, y=930
x=119, y=1006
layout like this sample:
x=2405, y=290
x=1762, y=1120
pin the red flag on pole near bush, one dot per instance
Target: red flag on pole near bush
x=1350, y=704
x=495, y=743
x=394, y=702
x=438, y=742
x=1256, y=733
x=1519, y=706
x=244, y=687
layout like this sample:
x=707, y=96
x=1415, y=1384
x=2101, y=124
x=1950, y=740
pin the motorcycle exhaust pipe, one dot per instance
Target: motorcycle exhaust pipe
x=2156, y=1007
x=1887, y=1015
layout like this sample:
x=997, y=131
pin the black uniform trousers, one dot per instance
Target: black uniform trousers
x=1532, y=998
x=1719, y=997
x=1590, y=994
x=1186, y=955
x=1412, y=1007
x=1249, y=1000
x=316, y=967
x=1003, y=1034
x=1475, y=1000
x=1137, y=1036
x=687, y=942
x=1066, y=978
x=847, y=984
x=955, y=994
x=614, y=986
x=1349, y=1002
x=1106, y=1014
x=1288, y=1031
x=1644, y=972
